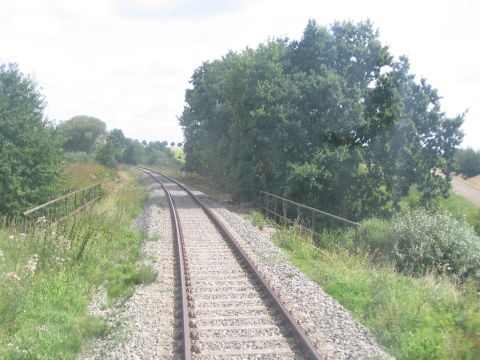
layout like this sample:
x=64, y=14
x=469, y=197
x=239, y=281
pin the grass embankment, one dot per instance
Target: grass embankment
x=49, y=275
x=414, y=317
x=78, y=175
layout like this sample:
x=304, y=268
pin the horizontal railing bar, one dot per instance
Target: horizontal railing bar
x=280, y=216
x=59, y=198
x=353, y=223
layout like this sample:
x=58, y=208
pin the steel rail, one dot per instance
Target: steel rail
x=177, y=231
x=306, y=346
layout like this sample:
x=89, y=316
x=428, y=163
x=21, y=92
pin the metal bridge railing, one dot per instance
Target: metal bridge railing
x=290, y=212
x=66, y=205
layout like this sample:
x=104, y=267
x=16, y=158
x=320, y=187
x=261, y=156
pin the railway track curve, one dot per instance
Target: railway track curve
x=228, y=309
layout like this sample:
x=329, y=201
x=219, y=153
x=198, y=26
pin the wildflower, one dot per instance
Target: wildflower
x=41, y=220
x=63, y=243
x=32, y=264
x=59, y=261
x=13, y=277
x=11, y=237
x=23, y=235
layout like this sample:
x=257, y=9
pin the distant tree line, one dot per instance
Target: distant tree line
x=467, y=162
x=331, y=120
x=85, y=134
x=33, y=151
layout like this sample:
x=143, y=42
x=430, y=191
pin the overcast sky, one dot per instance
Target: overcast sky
x=128, y=62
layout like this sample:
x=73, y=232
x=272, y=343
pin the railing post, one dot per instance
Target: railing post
x=284, y=211
x=275, y=216
x=266, y=205
x=313, y=225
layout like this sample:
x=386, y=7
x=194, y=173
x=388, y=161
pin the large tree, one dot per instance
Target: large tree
x=30, y=151
x=331, y=120
x=82, y=133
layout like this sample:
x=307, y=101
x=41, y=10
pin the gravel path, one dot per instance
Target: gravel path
x=144, y=326
x=466, y=190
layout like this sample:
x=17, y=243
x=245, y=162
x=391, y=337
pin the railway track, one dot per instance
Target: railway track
x=228, y=310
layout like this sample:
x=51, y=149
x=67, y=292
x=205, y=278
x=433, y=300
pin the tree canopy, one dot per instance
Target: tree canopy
x=467, y=162
x=331, y=120
x=81, y=133
x=30, y=151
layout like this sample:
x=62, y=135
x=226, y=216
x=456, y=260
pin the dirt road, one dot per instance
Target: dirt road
x=466, y=190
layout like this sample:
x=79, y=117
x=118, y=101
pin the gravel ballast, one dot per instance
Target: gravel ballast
x=144, y=326
x=333, y=330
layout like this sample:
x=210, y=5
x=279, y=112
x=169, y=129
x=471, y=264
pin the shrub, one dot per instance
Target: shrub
x=423, y=240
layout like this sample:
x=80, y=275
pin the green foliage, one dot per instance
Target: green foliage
x=460, y=208
x=468, y=162
x=80, y=175
x=423, y=240
x=48, y=276
x=414, y=318
x=30, y=151
x=122, y=278
x=373, y=235
x=134, y=153
x=78, y=157
x=119, y=142
x=105, y=155
x=419, y=240
x=258, y=219
x=81, y=133
x=331, y=121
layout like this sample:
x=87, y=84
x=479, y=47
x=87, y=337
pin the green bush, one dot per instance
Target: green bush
x=423, y=240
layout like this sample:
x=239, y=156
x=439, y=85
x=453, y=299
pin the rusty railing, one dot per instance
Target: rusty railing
x=308, y=218
x=60, y=208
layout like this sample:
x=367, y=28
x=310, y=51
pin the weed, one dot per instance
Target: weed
x=258, y=219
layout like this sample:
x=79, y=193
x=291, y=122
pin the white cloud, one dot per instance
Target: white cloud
x=128, y=62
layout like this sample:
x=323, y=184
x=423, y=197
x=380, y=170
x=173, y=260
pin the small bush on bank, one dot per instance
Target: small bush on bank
x=423, y=240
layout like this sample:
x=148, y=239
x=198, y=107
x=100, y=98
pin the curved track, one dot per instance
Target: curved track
x=228, y=309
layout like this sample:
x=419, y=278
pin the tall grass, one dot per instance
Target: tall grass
x=48, y=275
x=78, y=175
x=422, y=317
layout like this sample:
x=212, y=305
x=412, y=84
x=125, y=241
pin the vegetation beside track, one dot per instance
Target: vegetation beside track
x=49, y=275
x=414, y=317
